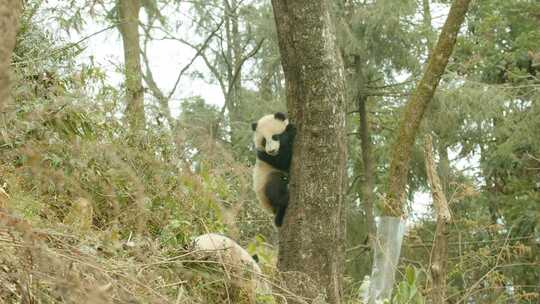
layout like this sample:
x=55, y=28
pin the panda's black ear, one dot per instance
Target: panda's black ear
x=255, y=258
x=280, y=116
x=254, y=126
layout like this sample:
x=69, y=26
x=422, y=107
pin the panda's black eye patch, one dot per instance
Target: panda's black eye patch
x=275, y=137
x=263, y=142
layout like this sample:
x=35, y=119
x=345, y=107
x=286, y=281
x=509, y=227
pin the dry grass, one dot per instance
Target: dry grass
x=42, y=265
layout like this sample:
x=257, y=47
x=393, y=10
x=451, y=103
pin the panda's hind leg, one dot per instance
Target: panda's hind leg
x=277, y=193
x=280, y=214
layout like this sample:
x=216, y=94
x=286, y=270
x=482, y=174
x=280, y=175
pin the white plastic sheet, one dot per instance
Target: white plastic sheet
x=387, y=245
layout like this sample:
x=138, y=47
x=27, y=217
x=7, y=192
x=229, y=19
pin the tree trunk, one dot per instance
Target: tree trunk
x=9, y=22
x=311, y=253
x=368, y=183
x=128, y=11
x=267, y=88
x=439, y=253
x=443, y=168
x=234, y=73
x=428, y=29
x=416, y=106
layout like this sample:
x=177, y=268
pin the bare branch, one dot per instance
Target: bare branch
x=199, y=52
x=152, y=85
x=239, y=66
x=210, y=66
x=66, y=47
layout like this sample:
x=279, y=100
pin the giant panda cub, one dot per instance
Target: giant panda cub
x=273, y=138
x=246, y=275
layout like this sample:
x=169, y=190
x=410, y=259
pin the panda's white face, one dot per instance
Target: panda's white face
x=267, y=130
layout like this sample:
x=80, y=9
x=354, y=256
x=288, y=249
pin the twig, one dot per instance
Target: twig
x=200, y=50
x=64, y=48
x=499, y=255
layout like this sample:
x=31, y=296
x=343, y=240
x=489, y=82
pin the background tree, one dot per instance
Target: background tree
x=416, y=106
x=226, y=58
x=9, y=20
x=316, y=102
x=378, y=40
x=128, y=24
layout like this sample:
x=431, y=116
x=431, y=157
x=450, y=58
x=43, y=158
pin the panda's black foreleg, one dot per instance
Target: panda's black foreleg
x=277, y=192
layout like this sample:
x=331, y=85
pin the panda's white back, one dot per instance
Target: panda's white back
x=226, y=248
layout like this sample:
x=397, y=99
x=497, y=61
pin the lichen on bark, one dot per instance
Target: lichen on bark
x=416, y=106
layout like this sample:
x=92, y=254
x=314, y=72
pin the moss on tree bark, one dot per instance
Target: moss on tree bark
x=416, y=106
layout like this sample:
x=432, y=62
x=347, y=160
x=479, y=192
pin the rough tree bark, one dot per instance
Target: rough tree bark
x=416, y=106
x=311, y=252
x=128, y=12
x=439, y=252
x=10, y=11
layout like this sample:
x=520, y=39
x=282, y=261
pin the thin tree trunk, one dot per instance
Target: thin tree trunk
x=266, y=86
x=128, y=11
x=368, y=184
x=369, y=172
x=234, y=70
x=163, y=101
x=10, y=11
x=443, y=168
x=444, y=163
x=428, y=29
x=439, y=253
x=416, y=106
x=312, y=239
x=237, y=60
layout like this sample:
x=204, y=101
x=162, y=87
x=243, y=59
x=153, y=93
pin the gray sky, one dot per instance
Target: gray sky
x=166, y=58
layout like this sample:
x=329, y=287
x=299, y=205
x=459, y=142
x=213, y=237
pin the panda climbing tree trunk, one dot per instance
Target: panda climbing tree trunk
x=311, y=252
x=9, y=19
